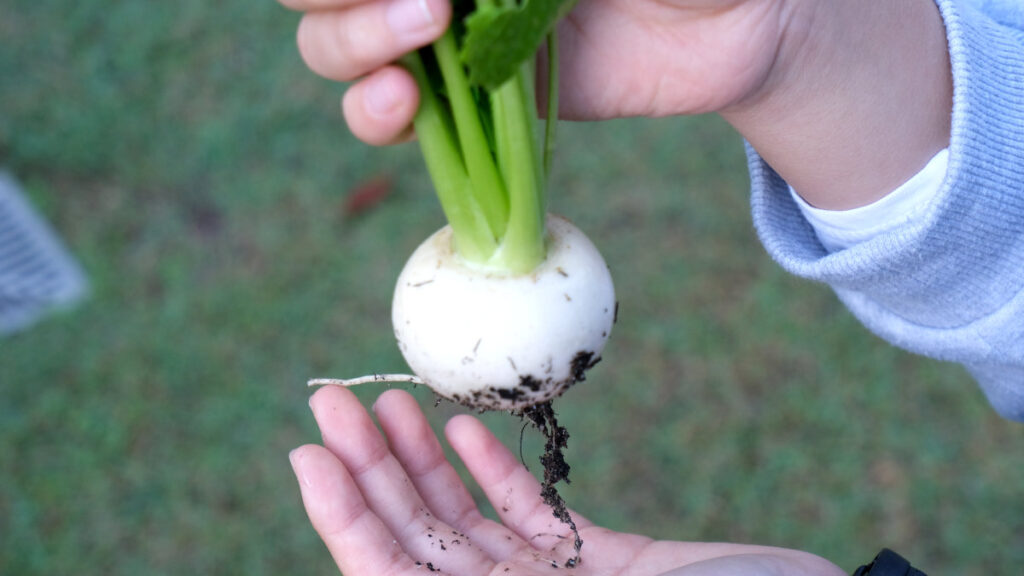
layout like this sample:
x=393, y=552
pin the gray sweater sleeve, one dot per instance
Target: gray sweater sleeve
x=952, y=285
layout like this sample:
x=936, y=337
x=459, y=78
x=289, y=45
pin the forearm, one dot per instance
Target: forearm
x=947, y=283
x=858, y=101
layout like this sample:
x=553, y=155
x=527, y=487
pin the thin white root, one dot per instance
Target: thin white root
x=368, y=379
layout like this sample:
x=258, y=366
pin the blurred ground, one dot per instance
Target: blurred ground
x=201, y=173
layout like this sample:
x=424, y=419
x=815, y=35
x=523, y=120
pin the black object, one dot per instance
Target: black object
x=888, y=563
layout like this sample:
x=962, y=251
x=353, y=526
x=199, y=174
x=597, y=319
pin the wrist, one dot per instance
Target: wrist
x=858, y=100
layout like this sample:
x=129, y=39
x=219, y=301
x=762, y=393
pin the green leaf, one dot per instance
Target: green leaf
x=500, y=38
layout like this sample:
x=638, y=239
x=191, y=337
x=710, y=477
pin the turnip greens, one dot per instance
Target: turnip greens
x=479, y=131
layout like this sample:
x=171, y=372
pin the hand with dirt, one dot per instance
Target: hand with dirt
x=822, y=90
x=392, y=504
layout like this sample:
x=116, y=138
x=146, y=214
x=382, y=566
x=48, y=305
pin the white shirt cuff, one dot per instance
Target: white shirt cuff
x=841, y=229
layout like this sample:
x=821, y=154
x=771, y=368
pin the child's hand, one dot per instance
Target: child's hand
x=844, y=101
x=359, y=39
x=618, y=57
x=392, y=504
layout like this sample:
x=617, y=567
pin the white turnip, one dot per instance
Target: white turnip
x=494, y=340
x=506, y=307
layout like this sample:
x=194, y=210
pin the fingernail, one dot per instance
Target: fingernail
x=408, y=17
x=293, y=457
x=380, y=97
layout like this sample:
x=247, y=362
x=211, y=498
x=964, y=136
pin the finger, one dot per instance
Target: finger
x=509, y=486
x=350, y=434
x=358, y=541
x=379, y=109
x=346, y=44
x=310, y=5
x=707, y=559
x=414, y=444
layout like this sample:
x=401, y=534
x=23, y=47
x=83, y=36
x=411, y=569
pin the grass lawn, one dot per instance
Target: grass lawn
x=200, y=174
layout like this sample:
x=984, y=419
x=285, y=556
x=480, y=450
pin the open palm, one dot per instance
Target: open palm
x=391, y=504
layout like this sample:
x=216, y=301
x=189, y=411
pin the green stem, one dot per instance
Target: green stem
x=515, y=119
x=482, y=149
x=434, y=129
x=487, y=185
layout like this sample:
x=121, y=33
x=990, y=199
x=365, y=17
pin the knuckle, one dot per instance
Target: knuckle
x=338, y=45
x=358, y=48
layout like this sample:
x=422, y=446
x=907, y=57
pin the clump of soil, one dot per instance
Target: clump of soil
x=556, y=469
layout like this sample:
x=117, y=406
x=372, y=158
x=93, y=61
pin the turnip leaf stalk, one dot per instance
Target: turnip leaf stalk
x=478, y=128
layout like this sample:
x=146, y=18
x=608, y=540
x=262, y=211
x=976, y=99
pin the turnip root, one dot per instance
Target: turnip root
x=499, y=341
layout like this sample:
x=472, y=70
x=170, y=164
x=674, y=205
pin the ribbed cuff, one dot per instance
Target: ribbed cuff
x=964, y=259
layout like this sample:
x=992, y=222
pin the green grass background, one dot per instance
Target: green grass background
x=198, y=170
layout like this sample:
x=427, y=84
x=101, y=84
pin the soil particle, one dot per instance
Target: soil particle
x=583, y=361
x=530, y=388
x=556, y=469
x=512, y=394
x=529, y=382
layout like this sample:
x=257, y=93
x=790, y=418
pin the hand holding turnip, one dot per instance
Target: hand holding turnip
x=619, y=57
x=392, y=504
x=822, y=90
